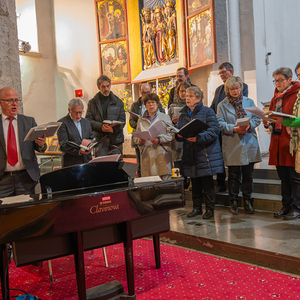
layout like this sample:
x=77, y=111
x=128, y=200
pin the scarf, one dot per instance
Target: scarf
x=277, y=128
x=292, y=130
x=237, y=105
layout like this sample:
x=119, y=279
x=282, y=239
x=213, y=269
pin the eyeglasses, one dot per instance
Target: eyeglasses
x=182, y=91
x=11, y=101
x=78, y=112
x=235, y=89
x=190, y=96
x=279, y=80
x=145, y=93
x=151, y=103
x=223, y=72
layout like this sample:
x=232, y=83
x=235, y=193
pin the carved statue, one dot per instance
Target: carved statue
x=160, y=37
x=171, y=27
x=159, y=34
x=149, y=57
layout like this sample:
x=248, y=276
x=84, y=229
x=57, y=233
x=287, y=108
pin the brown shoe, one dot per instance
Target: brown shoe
x=234, y=207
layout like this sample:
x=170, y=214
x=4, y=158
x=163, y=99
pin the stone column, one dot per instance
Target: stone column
x=10, y=75
x=234, y=36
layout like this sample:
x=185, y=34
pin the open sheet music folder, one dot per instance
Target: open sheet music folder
x=190, y=129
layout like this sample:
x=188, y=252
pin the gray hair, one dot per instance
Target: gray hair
x=145, y=83
x=74, y=102
x=285, y=71
x=231, y=81
x=196, y=91
x=101, y=79
x=227, y=65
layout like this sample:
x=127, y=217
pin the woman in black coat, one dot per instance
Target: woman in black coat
x=202, y=155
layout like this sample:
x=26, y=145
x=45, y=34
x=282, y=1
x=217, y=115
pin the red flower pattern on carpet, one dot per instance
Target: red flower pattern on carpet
x=185, y=274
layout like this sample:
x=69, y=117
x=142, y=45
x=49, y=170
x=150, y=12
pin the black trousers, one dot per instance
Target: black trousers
x=234, y=175
x=178, y=164
x=104, y=149
x=221, y=177
x=138, y=161
x=203, y=188
x=16, y=183
x=290, y=187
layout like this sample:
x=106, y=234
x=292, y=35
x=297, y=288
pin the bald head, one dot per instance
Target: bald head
x=145, y=89
x=5, y=90
x=9, y=102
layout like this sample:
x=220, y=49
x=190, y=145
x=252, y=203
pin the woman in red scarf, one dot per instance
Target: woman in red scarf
x=279, y=152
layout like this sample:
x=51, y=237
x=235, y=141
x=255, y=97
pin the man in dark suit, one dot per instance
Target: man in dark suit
x=74, y=129
x=225, y=72
x=19, y=170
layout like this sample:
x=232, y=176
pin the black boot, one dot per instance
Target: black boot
x=208, y=214
x=234, y=207
x=195, y=212
x=248, y=206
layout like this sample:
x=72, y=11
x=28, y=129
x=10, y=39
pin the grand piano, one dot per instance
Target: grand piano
x=85, y=207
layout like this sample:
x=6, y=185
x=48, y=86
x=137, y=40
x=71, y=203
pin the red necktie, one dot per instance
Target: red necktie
x=12, y=152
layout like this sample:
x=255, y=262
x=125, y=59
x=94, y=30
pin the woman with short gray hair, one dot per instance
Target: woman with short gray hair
x=202, y=156
x=239, y=143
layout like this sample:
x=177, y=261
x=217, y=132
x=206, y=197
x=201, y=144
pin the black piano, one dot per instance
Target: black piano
x=85, y=207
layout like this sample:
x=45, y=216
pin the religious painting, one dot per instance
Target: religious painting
x=111, y=20
x=196, y=5
x=159, y=33
x=114, y=61
x=200, y=38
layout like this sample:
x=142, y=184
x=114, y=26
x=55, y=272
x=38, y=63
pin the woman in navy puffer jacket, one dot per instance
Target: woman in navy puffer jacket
x=202, y=155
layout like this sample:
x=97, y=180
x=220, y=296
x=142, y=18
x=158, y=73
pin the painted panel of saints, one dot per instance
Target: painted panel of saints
x=114, y=61
x=200, y=39
x=159, y=33
x=111, y=20
x=196, y=5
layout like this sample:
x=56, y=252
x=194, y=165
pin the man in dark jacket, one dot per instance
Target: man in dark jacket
x=139, y=108
x=182, y=75
x=107, y=106
x=225, y=72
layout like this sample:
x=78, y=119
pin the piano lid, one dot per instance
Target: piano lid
x=83, y=176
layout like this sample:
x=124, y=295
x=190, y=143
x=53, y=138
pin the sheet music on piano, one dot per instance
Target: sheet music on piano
x=16, y=199
x=147, y=179
x=108, y=158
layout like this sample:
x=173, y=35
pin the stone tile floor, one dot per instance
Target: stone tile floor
x=259, y=231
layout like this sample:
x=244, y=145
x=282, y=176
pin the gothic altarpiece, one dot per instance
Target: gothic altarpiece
x=160, y=36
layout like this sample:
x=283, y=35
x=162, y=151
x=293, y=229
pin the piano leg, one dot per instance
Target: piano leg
x=4, y=272
x=128, y=249
x=156, y=245
x=79, y=266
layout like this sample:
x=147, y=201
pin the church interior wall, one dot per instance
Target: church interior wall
x=275, y=29
x=77, y=54
x=69, y=58
x=9, y=58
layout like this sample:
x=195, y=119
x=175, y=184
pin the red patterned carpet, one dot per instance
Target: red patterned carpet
x=185, y=274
